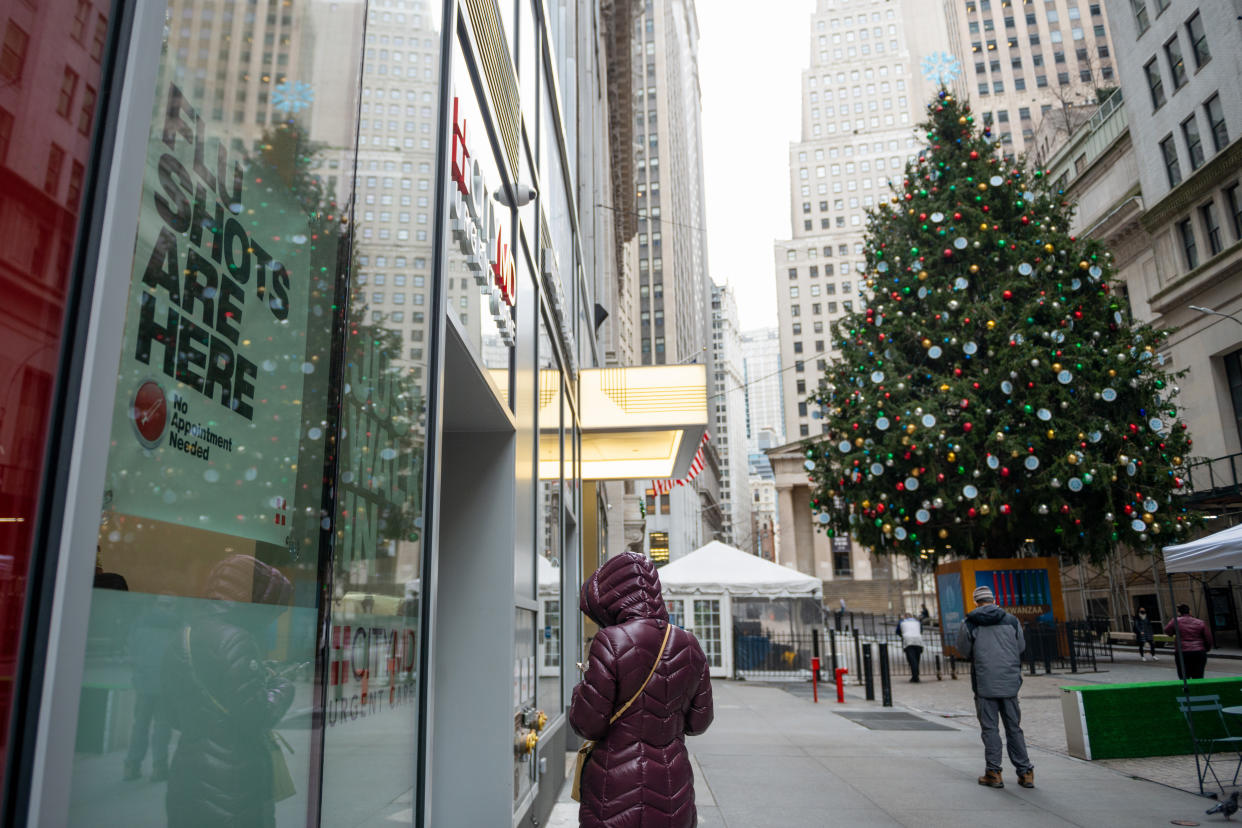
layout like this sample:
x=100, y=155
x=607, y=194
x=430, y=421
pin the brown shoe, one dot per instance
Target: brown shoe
x=1027, y=779
x=992, y=779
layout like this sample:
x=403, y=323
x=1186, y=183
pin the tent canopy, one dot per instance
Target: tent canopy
x=718, y=567
x=1221, y=550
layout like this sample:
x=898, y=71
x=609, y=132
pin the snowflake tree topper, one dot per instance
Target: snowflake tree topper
x=941, y=68
x=292, y=97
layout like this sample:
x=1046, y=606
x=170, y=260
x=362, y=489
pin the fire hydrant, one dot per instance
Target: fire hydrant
x=841, y=671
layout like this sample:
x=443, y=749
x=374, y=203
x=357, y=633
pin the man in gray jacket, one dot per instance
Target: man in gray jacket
x=991, y=639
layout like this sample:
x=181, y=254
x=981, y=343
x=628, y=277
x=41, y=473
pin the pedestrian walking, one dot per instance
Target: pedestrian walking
x=840, y=614
x=991, y=639
x=1143, y=634
x=644, y=688
x=911, y=632
x=1196, y=641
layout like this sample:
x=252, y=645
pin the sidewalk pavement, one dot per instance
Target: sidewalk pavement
x=772, y=758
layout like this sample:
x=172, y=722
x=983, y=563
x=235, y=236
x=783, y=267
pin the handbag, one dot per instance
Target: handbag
x=584, y=752
x=282, y=779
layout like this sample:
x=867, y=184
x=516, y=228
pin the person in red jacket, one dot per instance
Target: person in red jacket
x=639, y=774
x=1196, y=641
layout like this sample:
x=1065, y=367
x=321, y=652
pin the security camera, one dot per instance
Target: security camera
x=524, y=194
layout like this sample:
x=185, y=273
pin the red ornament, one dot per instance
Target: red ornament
x=968, y=427
x=974, y=156
x=1004, y=508
x=1007, y=295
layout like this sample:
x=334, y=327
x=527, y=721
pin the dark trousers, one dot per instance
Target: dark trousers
x=992, y=714
x=148, y=711
x=1195, y=661
x=1150, y=646
x=913, y=654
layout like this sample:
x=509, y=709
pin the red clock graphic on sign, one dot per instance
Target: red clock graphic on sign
x=149, y=411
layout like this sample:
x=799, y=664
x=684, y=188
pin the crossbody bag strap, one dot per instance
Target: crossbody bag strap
x=659, y=658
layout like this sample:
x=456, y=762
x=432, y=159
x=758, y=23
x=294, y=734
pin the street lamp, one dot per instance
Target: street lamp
x=1202, y=309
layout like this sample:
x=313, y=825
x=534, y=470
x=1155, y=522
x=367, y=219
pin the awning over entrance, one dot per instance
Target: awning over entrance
x=641, y=422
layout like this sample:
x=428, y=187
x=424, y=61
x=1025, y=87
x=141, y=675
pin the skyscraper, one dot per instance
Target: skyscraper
x=726, y=403
x=761, y=357
x=862, y=96
x=1024, y=62
x=674, y=288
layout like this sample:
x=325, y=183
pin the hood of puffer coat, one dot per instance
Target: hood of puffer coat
x=625, y=587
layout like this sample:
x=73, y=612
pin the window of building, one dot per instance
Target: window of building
x=1234, y=201
x=1177, y=66
x=658, y=543
x=1216, y=120
x=1140, y=15
x=1211, y=228
x=1233, y=371
x=1194, y=143
x=1186, y=230
x=1155, y=83
x=1168, y=149
x=1198, y=40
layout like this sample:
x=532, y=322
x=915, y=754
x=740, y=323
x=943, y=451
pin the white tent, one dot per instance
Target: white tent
x=1221, y=550
x=718, y=567
x=700, y=590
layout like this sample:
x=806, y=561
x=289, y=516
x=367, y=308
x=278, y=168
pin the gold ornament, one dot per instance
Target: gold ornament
x=1051, y=433
x=985, y=509
x=944, y=387
x=922, y=275
x=866, y=504
x=951, y=456
x=910, y=428
x=974, y=268
x=887, y=528
x=983, y=226
x=1148, y=518
x=1112, y=373
x=943, y=533
x=1072, y=459
x=1081, y=436
x=926, y=343
x=858, y=441
x=1048, y=248
x=982, y=186
x=1056, y=366
x=1177, y=461
x=991, y=324
x=962, y=120
x=1083, y=265
x=1000, y=437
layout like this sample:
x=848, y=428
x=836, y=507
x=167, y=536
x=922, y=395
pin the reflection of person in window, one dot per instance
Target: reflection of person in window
x=148, y=641
x=225, y=701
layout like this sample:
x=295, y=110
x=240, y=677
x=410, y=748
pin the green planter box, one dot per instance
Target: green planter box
x=1115, y=721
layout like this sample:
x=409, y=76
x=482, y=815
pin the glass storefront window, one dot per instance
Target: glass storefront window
x=45, y=144
x=549, y=527
x=373, y=683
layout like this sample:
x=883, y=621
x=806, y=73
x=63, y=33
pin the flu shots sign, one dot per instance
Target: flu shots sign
x=208, y=420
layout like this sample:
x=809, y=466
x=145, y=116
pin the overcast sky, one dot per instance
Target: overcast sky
x=751, y=57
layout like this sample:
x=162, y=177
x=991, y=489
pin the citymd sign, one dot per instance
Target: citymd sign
x=479, y=235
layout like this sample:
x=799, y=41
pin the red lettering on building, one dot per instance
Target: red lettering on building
x=460, y=154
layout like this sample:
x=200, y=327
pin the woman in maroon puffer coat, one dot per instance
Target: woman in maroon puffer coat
x=639, y=773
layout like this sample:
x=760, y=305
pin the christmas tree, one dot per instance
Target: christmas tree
x=994, y=392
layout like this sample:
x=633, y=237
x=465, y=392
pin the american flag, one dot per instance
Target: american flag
x=662, y=487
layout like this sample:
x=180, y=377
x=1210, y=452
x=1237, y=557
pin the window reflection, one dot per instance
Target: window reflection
x=50, y=74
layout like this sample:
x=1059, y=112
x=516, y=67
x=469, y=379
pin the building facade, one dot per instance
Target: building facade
x=862, y=96
x=1022, y=62
x=728, y=407
x=674, y=286
x=765, y=405
x=1152, y=171
x=300, y=364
